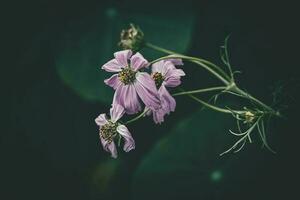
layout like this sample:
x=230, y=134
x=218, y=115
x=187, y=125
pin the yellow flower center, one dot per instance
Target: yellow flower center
x=127, y=75
x=158, y=79
x=109, y=131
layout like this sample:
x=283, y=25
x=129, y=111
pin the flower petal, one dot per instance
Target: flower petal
x=129, y=141
x=168, y=102
x=172, y=81
x=113, y=81
x=112, y=66
x=116, y=112
x=175, y=61
x=158, y=66
x=126, y=96
x=109, y=147
x=137, y=61
x=122, y=57
x=146, y=89
x=101, y=120
x=158, y=116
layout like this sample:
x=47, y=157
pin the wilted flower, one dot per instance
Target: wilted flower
x=132, y=38
x=165, y=74
x=131, y=84
x=109, y=129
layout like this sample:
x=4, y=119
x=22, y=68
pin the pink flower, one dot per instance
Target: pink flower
x=109, y=129
x=165, y=74
x=131, y=84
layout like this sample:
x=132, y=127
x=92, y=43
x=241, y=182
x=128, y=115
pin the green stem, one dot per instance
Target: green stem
x=137, y=117
x=223, y=110
x=224, y=77
x=200, y=91
x=157, y=48
x=198, y=61
x=258, y=102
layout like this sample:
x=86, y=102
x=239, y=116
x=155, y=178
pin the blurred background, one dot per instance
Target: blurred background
x=53, y=90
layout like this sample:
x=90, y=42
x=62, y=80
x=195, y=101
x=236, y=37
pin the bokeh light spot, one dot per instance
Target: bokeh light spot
x=216, y=176
x=111, y=13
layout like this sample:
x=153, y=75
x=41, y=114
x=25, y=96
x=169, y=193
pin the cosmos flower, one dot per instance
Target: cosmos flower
x=165, y=74
x=110, y=129
x=130, y=84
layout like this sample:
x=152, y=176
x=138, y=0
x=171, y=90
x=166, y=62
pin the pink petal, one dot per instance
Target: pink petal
x=158, y=66
x=116, y=112
x=122, y=57
x=137, y=61
x=172, y=81
x=126, y=96
x=101, y=120
x=146, y=89
x=175, y=61
x=129, y=142
x=175, y=73
x=112, y=66
x=158, y=116
x=168, y=102
x=113, y=81
x=109, y=147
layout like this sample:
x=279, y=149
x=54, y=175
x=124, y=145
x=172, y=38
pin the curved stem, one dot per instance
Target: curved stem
x=224, y=77
x=206, y=62
x=137, y=117
x=258, y=102
x=200, y=91
x=223, y=110
x=197, y=61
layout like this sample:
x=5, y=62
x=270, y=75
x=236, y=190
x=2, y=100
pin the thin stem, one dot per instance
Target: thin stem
x=195, y=60
x=157, y=48
x=212, y=106
x=138, y=117
x=200, y=91
x=229, y=82
x=247, y=95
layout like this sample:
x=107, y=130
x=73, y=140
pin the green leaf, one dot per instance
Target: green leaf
x=91, y=42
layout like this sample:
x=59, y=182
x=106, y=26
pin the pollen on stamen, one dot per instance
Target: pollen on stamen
x=108, y=131
x=158, y=79
x=127, y=75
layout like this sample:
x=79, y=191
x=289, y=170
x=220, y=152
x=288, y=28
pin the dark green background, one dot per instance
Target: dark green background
x=52, y=88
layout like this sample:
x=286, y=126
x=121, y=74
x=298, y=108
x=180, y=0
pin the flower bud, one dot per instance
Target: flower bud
x=132, y=38
x=249, y=117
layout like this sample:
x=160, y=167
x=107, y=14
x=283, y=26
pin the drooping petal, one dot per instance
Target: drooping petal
x=109, y=147
x=137, y=61
x=112, y=66
x=113, y=81
x=116, y=112
x=126, y=96
x=172, y=81
x=101, y=120
x=158, y=116
x=129, y=143
x=168, y=102
x=146, y=89
x=122, y=57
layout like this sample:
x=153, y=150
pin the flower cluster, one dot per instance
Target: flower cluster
x=136, y=86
